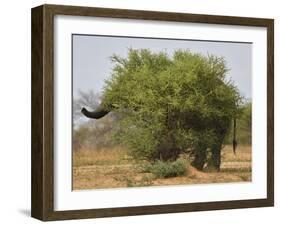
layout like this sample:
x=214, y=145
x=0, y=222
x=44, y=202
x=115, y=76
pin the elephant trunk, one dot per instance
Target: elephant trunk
x=234, y=142
x=97, y=114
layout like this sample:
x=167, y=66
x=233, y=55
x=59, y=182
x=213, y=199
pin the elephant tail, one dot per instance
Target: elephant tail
x=234, y=142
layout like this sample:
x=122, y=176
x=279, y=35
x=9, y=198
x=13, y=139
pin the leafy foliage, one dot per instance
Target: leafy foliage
x=169, y=104
x=167, y=169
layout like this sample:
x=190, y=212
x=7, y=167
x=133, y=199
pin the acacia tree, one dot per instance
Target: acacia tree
x=170, y=104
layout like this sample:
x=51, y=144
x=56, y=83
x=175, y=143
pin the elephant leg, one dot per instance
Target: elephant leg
x=167, y=149
x=215, y=161
x=200, y=158
x=170, y=154
x=215, y=158
x=167, y=152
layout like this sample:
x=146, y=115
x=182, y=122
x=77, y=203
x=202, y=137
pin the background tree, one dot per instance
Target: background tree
x=84, y=98
x=87, y=133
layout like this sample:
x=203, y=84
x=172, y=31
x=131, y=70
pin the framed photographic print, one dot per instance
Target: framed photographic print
x=141, y=112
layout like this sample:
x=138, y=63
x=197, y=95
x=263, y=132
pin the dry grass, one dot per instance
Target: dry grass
x=243, y=154
x=112, y=168
x=104, y=156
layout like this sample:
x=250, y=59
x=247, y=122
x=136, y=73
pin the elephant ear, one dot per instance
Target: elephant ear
x=97, y=114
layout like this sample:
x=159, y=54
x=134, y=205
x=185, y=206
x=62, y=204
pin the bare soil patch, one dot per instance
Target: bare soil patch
x=113, y=168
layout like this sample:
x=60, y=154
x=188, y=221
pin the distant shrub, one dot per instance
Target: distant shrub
x=167, y=169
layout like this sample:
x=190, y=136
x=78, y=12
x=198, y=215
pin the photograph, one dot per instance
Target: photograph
x=152, y=111
x=138, y=112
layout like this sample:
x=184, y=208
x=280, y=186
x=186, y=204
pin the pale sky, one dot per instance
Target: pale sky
x=92, y=64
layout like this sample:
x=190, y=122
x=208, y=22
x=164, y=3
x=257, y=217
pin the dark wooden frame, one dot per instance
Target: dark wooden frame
x=42, y=203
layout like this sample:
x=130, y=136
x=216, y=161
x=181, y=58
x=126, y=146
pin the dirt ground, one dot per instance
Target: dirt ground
x=113, y=168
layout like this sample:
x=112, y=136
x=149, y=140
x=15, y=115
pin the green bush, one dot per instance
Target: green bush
x=169, y=103
x=167, y=169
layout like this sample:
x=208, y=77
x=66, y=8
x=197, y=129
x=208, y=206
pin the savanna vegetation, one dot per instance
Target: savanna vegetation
x=166, y=118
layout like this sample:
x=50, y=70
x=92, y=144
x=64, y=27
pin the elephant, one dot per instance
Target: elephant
x=187, y=95
x=221, y=129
